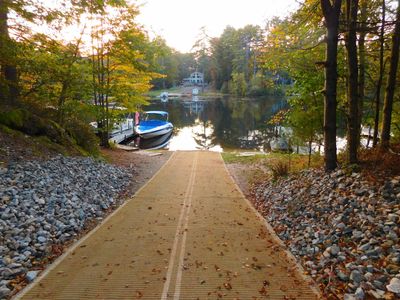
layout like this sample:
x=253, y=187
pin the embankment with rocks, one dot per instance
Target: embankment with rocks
x=342, y=228
x=48, y=203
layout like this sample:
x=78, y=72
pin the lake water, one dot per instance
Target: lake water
x=220, y=124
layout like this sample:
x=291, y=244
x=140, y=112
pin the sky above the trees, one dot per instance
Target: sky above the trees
x=179, y=21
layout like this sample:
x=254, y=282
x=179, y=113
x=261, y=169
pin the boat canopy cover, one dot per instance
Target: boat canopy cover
x=157, y=112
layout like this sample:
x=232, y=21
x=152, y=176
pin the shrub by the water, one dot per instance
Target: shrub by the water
x=84, y=136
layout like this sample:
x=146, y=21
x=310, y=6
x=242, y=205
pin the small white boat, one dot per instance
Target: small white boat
x=153, y=124
x=164, y=96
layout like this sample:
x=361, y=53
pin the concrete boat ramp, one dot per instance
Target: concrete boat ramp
x=187, y=234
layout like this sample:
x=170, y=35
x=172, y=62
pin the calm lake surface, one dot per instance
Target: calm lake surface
x=220, y=124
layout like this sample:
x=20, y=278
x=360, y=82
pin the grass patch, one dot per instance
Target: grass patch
x=212, y=94
x=156, y=93
x=8, y=130
x=234, y=157
x=46, y=143
x=279, y=169
x=294, y=162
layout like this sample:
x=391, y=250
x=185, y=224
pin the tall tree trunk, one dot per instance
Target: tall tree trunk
x=331, y=14
x=380, y=78
x=246, y=60
x=9, y=93
x=352, y=88
x=391, y=83
x=362, y=66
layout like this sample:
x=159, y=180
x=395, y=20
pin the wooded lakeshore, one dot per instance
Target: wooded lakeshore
x=337, y=61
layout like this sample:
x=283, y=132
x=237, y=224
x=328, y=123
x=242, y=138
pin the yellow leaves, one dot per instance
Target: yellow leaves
x=278, y=118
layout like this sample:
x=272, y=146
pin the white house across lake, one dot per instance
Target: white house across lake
x=196, y=78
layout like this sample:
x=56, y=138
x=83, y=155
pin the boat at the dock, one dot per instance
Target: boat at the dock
x=153, y=124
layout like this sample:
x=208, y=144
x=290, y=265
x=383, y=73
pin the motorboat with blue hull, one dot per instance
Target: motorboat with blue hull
x=153, y=124
x=157, y=142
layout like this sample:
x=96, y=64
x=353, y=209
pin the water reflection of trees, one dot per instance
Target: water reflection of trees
x=242, y=123
x=230, y=123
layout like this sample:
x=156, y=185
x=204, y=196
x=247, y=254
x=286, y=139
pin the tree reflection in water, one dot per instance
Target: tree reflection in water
x=222, y=123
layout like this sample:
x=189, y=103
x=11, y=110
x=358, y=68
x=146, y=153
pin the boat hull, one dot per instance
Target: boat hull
x=157, y=142
x=148, y=133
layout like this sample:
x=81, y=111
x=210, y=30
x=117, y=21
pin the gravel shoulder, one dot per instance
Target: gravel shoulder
x=342, y=227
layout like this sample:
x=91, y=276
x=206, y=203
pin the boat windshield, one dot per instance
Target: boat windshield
x=155, y=116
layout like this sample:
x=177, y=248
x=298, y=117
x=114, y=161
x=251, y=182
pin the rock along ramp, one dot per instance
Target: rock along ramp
x=188, y=234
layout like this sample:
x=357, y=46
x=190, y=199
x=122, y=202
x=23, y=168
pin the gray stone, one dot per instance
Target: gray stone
x=370, y=268
x=373, y=241
x=342, y=276
x=364, y=247
x=335, y=250
x=14, y=265
x=360, y=295
x=41, y=239
x=357, y=234
x=377, y=294
x=378, y=284
x=341, y=226
x=392, y=236
x=31, y=275
x=349, y=297
x=356, y=276
x=368, y=276
x=394, y=285
x=393, y=217
x=7, y=273
x=4, y=292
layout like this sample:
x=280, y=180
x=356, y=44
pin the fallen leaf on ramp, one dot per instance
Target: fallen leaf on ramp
x=139, y=294
x=227, y=285
x=263, y=291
